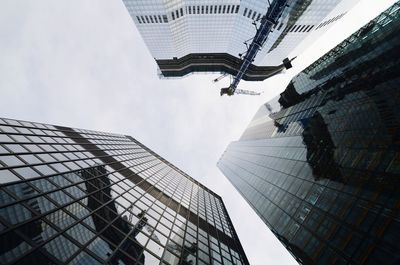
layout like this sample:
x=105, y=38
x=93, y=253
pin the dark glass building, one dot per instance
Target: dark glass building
x=320, y=164
x=71, y=196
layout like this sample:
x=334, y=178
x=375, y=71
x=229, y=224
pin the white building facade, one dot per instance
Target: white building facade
x=176, y=28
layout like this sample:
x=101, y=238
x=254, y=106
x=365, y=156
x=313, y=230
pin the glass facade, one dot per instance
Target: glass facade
x=320, y=164
x=175, y=29
x=72, y=196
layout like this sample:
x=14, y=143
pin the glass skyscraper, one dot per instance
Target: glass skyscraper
x=320, y=164
x=186, y=36
x=72, y=196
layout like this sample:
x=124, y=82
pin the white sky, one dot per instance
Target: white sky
x=82, y=63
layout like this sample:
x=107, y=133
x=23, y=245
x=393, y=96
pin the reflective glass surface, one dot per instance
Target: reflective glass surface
x=173, y=29
x=320, y=164
x=72, y=196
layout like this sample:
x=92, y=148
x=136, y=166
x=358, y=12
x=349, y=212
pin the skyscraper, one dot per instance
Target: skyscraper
x=320, y=164
x=207, y=36
x=85, y=197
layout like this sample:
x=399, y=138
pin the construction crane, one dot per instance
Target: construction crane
x=247, y=92
x=274, y=12
x=237, y=91
x=183, y=253
x=220, y=78
x=142, y=224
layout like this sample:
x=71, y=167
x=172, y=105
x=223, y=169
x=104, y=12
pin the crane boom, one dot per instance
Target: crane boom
x=220, y=78
x=247, y=92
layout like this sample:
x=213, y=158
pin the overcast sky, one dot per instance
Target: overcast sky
x=82, y=63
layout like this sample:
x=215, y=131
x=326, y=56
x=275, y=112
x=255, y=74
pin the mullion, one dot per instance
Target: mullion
x=63, y=231
x=56, y=203
x=71, y=171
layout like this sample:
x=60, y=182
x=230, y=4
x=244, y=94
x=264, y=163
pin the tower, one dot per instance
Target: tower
x=73, y=196
x=319, y=162
x=208, y=36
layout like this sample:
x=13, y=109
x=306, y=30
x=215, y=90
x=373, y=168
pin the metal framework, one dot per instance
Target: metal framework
x=64, y=178
x=267, y=22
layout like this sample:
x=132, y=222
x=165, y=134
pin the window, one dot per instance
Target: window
x=11, y=161
x=245, y=12
x=7, y=176
x=61, y=248
x=237, y=9
x=190, y=10
x=138, y=19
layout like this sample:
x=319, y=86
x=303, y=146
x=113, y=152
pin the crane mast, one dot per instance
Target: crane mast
x=274, y=12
